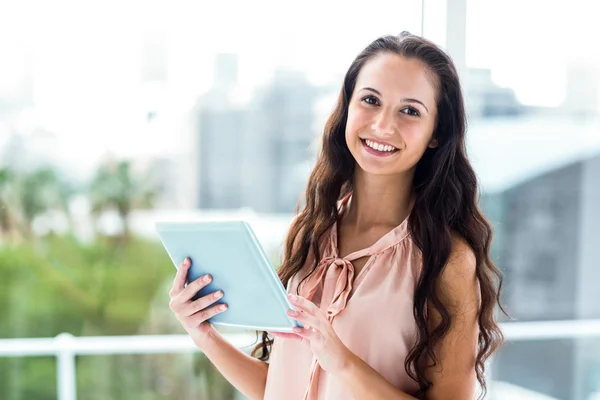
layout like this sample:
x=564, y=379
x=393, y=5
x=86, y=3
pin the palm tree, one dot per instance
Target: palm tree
x=40, y=191
x=8, y=223
x=114, y=187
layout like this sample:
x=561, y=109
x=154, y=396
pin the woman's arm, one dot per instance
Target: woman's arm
x=245, y=373
x=454, y=376
x=248, y=375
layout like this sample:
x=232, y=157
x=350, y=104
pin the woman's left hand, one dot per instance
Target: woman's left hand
x=318, y=334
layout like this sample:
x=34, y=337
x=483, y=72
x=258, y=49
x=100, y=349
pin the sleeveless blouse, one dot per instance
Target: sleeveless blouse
x=372, y=314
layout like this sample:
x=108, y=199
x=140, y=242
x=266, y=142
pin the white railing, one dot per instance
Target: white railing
x=65, y=347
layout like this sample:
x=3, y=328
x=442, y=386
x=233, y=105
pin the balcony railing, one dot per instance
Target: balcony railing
x=65, y=347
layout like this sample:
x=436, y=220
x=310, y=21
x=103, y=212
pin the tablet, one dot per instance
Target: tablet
x=231, y=254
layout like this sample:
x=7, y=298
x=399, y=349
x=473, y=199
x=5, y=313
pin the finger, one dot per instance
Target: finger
x=308, y=333
x=285, y=335
x=179, y=301
x=307, y=319
x=180, y=277
x=190, y=290
x=205, y=315
x=201, y=303
x=304, y=304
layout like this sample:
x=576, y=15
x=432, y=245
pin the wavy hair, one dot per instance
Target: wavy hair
x=446, y=197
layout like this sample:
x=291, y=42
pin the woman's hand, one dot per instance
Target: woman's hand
x=318, y=334
x=193, y=314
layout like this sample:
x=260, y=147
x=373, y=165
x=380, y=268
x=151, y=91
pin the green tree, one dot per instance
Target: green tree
x=8, y=223
x=114, y=187
x=40, y=191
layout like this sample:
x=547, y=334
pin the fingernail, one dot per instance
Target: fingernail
x=292, y=297
x=186, y=262
x=206, y=278
x=223, y=307
x=218, y=294
x=293, y=313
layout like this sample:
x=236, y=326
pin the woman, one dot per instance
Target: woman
x=388, y=260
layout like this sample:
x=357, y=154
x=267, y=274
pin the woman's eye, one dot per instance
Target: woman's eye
x=411, y=111
x=370, y=100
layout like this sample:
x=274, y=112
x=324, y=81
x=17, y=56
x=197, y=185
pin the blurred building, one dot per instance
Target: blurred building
x=548, y=246
x=221, y=134
x=284, y=124
x=486, y=99
x=581, y=96
x=253, y=155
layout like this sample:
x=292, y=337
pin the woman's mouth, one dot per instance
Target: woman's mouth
x=378, y=149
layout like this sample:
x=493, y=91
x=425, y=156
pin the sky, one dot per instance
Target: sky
x=529, y=43
x=85, y=57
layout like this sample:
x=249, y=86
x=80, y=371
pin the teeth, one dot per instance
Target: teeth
x=378, y=146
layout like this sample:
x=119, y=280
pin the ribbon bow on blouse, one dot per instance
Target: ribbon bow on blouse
x=343, y=286
x=343, y=268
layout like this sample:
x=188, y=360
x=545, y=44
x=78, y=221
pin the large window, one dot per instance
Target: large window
x=115, y=114
x=533, y=86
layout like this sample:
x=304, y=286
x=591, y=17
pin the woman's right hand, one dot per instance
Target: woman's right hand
x=193, y=314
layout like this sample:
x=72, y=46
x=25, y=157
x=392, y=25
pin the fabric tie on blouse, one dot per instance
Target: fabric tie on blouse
x=343, y=287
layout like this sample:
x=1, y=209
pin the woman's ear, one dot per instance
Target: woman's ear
x=433, y=143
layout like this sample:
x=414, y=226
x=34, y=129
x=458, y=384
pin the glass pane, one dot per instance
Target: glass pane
x=533, y=91
x=114, y=116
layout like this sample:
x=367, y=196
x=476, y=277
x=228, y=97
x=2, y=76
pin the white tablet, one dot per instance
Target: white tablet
x=231, y=254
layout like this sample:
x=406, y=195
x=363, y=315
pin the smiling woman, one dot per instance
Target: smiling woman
x=374, y=235
x=388, y=261
x=383, y=272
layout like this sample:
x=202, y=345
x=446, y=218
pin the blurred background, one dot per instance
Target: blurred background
x=118, y=114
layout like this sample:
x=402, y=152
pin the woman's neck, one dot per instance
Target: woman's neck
x=379, y=200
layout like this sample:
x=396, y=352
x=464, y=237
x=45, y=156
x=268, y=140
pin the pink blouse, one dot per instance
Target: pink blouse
x=371, y=313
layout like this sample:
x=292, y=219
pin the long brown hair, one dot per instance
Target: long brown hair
x=446, y=192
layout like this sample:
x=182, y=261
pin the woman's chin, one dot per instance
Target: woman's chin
x=377, y=170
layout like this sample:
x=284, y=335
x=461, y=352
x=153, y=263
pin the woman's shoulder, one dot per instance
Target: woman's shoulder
x=461, y=250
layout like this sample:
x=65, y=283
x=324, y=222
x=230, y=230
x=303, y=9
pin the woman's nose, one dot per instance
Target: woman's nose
x=384, y=124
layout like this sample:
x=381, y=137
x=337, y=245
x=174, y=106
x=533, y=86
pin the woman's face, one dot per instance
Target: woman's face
x=391, y=115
